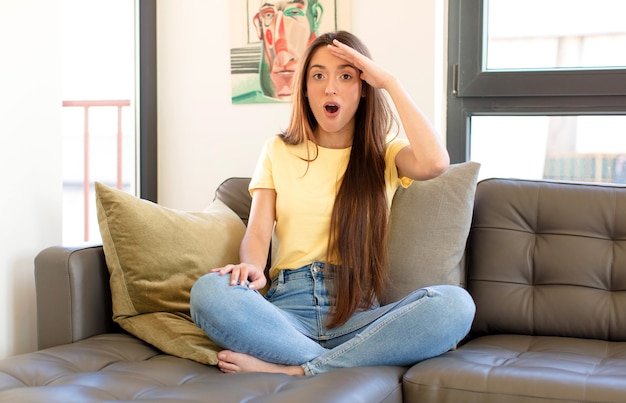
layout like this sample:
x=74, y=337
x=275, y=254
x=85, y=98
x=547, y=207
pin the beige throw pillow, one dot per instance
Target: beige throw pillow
x=155, y=255
x=430, y=222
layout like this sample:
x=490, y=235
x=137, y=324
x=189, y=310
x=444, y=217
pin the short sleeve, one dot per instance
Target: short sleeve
x=263, y=178
x=393, y=148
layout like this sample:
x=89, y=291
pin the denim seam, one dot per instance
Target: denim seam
x=311, y=366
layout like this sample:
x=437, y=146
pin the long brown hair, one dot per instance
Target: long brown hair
x=359, y=221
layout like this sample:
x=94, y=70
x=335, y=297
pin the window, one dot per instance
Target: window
x=105, y=118
x=554, y=34
x=537, y=89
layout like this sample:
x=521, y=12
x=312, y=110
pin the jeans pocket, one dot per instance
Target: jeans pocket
x=273, y=291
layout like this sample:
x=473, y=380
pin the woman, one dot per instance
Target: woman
x=321, y=193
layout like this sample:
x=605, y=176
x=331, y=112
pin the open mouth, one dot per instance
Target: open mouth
x=331, y=108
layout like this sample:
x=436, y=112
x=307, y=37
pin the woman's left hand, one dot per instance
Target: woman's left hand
x=371, y=72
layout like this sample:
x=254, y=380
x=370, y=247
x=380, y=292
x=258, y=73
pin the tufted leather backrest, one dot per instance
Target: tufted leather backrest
x=549, y=258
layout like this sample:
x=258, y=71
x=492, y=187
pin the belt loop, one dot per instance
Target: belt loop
x=281, y=277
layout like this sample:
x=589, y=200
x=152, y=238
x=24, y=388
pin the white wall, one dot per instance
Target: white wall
x=30, y=159
x=203, y=138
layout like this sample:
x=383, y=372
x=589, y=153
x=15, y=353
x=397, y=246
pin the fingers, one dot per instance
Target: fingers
x=346, y=52
x=240, y=273
x=223, y=270
x=371, y=72
x=257, y=284
x=257, y=279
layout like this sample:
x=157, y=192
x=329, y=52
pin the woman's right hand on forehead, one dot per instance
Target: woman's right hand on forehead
x=371, y=72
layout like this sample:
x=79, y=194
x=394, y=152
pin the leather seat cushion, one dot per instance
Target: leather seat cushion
x=120, y=367
x=514, y=368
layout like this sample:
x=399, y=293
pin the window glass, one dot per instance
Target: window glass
x=98, y=115
x=554, y=34
x=576, y=148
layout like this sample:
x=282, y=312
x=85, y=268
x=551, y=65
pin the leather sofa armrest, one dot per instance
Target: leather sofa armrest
x=73, y=295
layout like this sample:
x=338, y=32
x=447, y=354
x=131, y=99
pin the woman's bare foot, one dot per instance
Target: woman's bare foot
x=231, y=363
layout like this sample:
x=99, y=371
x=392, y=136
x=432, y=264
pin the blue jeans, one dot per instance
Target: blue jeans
x=288, y=325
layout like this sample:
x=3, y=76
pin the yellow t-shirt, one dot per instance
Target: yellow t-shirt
x=305, y=195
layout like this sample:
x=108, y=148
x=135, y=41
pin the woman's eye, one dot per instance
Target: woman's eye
x=318, y=76
x=346, y=76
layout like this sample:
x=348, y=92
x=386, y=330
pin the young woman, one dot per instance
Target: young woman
x=321, y=193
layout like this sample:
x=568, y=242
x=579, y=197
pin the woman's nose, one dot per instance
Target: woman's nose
x=330, y=89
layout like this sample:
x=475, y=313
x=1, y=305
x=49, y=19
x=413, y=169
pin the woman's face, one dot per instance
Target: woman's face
x=334, y=90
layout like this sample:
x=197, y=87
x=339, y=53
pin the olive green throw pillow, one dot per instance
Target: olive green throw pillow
x=155, y=255
x=430, y=222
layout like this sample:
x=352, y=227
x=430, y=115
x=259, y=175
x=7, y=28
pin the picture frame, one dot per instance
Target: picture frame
x=268, y=37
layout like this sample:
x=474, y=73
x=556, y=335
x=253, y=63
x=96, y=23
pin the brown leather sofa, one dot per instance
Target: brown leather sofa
x=547, y=270
x=545, y=263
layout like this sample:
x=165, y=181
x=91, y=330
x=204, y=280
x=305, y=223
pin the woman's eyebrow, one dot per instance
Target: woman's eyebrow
x=341, y=66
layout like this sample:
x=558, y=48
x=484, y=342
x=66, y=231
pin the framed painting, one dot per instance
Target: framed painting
x=267, y=39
